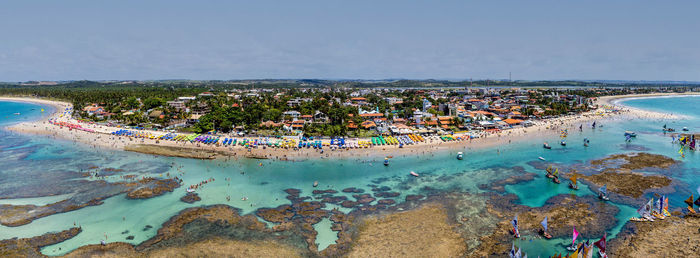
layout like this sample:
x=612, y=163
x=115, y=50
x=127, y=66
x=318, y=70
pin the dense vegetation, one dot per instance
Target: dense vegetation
x=130, y=102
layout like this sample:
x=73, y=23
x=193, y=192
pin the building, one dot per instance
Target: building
x=295, y=102
x=193, y=119
x=187, y=99
x=177, y=105
x=426, y=105
x=292, y=114
x=320, y=117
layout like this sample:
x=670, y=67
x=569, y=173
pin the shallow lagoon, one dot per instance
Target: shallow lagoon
x=263, y=185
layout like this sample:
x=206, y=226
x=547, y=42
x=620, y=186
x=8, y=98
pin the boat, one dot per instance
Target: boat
x=573, y=242
x=541, y=158
x=555, y=175
x=630, y=134
x=515, y=230
x=460, y=155
x=544, y=229
x=685, y=129
x=601, y=246
x=563, y=143
x=603, y=195
x=17, y=114
x=546, y=146
x=386, y=162
x=573, y=184
x=414, y=174
x=315, y=183
x=645, y=211
x=190, y=190
x=244, y=198
x=549, y=172
x=689, y=202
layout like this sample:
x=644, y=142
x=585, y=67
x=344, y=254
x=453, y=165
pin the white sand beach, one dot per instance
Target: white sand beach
x=102, y=139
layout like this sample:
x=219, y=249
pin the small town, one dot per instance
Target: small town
x=347, y=112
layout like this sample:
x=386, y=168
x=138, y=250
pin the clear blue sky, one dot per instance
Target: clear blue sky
x=256, y=39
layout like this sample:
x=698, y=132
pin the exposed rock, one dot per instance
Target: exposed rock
x=628, y=183
x=381, y=189
x=172, y=151
x=190, y=198
x=386, y=194
x=151, y=187
x=423, y=232
x=671, y=237
x=590, y=216
x=414, y=197
x=222, y=213
x=278, y=215
x=17, y=215
x=353, y=190
x=349, y=204
x=30, y=247
x=334, y=199
x=292, y=191
x=386, y=201
x=366, y=200
x=640, y=160
x=330, y=191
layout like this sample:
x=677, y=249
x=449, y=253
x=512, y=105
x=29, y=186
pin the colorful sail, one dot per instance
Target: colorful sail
x=515, y=224
x=689, y=201
x=573, y=179
x=604, y=189
x=601, y=244
x=643, y=211
x=575, y=235
x=556, y=172
x=544, y=224
x=511, y=254
x=588, y=250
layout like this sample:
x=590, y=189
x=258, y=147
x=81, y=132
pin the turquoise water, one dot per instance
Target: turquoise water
x=325, y=236
x=41, y=161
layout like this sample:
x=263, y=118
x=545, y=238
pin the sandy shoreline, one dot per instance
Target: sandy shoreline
x=102, y=139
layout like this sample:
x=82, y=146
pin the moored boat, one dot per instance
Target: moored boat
x=544, y=229
x=515, y=230
x=601, y=246
x=603, y=195
x=573, y=242
x=460, y=155
x=414, y=174
x=573, y=184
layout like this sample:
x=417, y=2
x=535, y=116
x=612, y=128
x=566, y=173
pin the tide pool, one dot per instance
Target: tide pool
x=58, y=162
